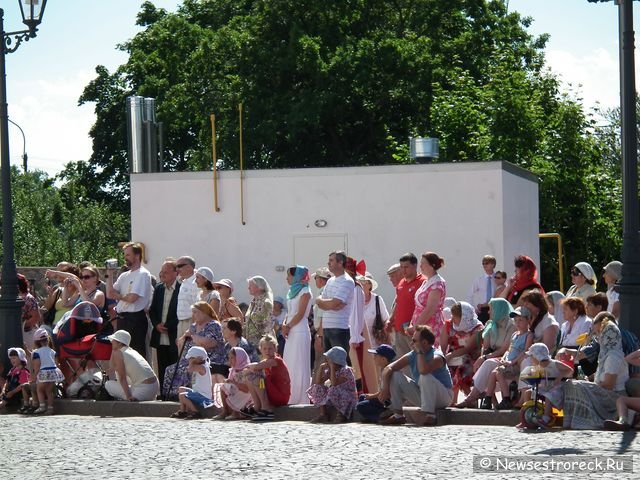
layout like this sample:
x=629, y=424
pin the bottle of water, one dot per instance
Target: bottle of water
x=580, y=375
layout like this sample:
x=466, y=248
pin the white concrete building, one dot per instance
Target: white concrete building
x=461, y=211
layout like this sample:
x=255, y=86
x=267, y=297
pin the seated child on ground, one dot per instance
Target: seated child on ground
x=268, y=381
x=369, y=406
x=18, y=376
x=509, y=368
x=192, y=400
x=341, y=392
x=233, y=395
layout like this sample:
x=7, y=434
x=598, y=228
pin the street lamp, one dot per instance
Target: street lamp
x=10, y=301
x=24, y=146
x=629, y=286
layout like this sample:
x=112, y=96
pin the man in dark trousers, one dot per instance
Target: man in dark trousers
x=164, y=317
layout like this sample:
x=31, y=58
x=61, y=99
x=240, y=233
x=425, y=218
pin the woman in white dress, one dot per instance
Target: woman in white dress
x=297, y=350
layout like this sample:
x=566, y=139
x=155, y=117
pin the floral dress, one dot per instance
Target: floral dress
x=258, y=319
x=343, y=396
x=461, y=368
x=182, y=378
x=436, y=322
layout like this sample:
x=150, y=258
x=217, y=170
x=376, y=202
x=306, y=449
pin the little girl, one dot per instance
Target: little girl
x=272, y=389
x=341, y=392
x=192, y=400
x=551, y=387
x=509, y=368
x=18, y=376
x=45, y=370
x=460, y=341
x=233, y=395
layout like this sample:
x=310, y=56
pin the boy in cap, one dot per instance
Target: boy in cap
x=369, y=406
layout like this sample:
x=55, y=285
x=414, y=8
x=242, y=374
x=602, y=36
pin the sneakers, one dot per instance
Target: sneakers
x=486, y=404
x=40, y=410
x=249, y=412
x=394, y=419
x=179, y=414
x=505, y=404
x=616, y=426
x=263, y=416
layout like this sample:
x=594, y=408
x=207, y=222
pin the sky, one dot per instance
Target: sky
x=46, y=76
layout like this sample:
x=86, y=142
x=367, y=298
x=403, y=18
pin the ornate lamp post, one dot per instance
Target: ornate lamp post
x=10, y=302
x=629, y=286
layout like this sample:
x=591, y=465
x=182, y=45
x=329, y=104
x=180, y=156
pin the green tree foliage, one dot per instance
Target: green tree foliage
x=53, y=224
x=346, y=83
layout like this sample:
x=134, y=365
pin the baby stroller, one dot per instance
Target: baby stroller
x=533, y=410
x=83, y=337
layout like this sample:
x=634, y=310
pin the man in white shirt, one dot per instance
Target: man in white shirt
x=189, y=292
x=132, y=290
x=482, y=288
x=335, y=302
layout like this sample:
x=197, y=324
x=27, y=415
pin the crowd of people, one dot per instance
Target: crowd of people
x=341, y=349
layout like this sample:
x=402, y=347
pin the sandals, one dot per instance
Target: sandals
x=192, y=416
x=322, y=418
x=340, y=418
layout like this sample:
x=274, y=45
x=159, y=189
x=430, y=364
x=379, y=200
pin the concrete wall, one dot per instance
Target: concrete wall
x=459, y=210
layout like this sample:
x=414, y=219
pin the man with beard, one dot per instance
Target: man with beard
x=132, y=290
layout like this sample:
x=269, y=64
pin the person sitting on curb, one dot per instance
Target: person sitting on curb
x=268, y=381
x=625, y=403
x=370, y=407
x=340, y=392
x=193, y=400
x=430, y=387
x=135, y=380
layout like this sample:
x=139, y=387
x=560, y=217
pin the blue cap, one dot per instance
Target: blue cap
x=385, y=351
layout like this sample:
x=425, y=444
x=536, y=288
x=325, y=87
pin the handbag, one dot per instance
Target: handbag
x=50, y=314
x=379, y=332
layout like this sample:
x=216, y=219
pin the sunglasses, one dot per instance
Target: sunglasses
x=180, y=265
x=576, y=273
x=86, y=277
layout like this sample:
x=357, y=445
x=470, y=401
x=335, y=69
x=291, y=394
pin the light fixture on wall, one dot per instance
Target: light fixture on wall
x=320, y=223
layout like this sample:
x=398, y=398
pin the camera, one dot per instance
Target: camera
x=111, y=264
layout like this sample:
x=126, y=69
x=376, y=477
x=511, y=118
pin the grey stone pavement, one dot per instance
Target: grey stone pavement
x=70, y=447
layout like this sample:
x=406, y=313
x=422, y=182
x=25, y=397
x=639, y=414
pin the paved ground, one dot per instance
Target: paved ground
x=72, y=447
